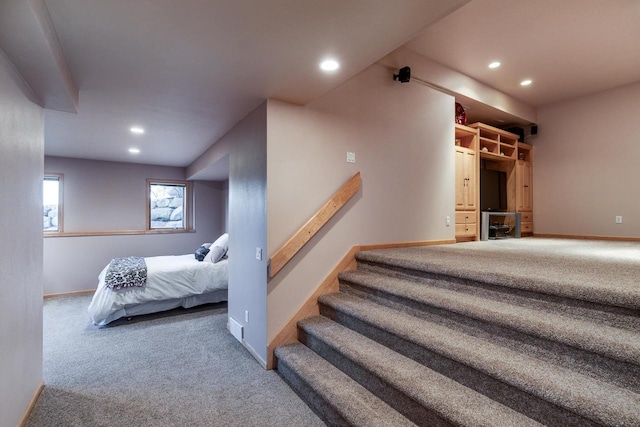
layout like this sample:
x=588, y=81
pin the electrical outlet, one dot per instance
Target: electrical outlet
x=246, y=316
x=618, y=219
x=259, y=254
x=351, y=157
x=448, y=221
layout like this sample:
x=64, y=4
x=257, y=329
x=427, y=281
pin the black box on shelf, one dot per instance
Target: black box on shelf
x=498, y=231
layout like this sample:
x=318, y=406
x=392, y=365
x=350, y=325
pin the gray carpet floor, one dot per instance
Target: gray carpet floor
x=599, y=271
x=181, y=369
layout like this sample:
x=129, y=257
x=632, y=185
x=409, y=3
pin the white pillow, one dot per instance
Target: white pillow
x=222, y=241
x=218, y=249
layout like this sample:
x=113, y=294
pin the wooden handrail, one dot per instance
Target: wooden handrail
x=287, y=251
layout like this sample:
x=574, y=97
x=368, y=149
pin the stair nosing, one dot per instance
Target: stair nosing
x=394, y=416
x=520, y=378
x=527, y=320
x=393, y=359
x=545, y=286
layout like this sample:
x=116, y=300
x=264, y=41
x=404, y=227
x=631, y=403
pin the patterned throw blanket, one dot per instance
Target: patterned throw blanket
x=126, y=272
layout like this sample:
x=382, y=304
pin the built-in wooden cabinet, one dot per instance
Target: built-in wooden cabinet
x=496, y=143
x=480, y=145
x=467, y=196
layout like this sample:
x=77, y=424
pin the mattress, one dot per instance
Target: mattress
x=172, y=281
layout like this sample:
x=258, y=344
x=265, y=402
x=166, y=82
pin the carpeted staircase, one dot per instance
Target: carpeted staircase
x=408, y=341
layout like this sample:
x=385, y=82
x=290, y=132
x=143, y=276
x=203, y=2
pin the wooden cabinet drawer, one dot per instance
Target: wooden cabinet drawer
x=526, y=227
x=465, y=217
x=466, y=229
x=526, y=216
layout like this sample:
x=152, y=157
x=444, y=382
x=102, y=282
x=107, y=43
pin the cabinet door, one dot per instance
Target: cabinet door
x=461, y=182
x=470, y=172
x=524, y=193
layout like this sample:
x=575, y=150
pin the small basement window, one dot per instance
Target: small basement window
x=168, y=205
x=52, y=203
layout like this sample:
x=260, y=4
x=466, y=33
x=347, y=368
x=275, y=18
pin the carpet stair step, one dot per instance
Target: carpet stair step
x=336, y=398
x=419, y=393
x=547, y=392
x=437, y=262
x=616, y=343
x=409, y=296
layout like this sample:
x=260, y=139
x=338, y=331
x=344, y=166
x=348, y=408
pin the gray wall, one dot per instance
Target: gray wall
x=402, y=135
x=103, y=196
x=245, y=144
x=585, y=169
x=21, y=148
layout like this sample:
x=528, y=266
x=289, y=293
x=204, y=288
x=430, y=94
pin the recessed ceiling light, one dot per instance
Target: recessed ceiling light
x=137, y=130
x=525, y=82
x=134, y=150
x=494, y=64
x=329, y=65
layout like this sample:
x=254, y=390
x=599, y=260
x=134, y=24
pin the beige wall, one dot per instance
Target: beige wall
x=402, y=135
x=102, y=196
x=586, y=165
x=21, y=148
x=458, y=83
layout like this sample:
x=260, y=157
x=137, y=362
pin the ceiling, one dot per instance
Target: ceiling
x=188, y=71
x=568, y=48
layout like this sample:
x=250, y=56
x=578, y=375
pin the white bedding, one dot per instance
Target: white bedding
x=172, y=281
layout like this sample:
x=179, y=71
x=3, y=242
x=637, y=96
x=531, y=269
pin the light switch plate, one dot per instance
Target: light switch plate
x=351, y=157
x=259, y=254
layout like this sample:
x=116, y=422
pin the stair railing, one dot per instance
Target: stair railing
x=292, y=246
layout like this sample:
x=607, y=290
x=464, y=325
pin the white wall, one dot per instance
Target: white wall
x=21, y=148
x=103, y=196
x=402, y=135
x=586, y=165
x=245, y=144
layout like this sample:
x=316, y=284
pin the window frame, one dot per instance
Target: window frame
x=187, y=217
x=60, y=178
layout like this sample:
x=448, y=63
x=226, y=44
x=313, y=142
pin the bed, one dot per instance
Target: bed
x=172, y=281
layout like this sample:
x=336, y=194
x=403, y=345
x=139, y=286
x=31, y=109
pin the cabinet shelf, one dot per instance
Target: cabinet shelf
x=498, y=142
x=466, y=137
x=524, y=152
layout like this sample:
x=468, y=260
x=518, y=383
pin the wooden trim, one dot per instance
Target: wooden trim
x=406, y=244
x=117, y=232
x=69, y=294
x=289, y=332
x=587, y=237
x=291, y=247
x=32, y=404
x=188, y=224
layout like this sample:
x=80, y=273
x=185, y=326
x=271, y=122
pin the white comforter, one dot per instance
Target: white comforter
x=169, y=278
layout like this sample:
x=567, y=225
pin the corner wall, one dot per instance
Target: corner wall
x=108, y=196
x=402, y=135
x=22, y=148
x=245, y=146
x=586, y=165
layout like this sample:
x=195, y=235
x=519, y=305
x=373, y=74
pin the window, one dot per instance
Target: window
x=167, y=205
x=52, y=203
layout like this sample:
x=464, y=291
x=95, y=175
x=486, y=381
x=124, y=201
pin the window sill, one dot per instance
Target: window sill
x=115, y=233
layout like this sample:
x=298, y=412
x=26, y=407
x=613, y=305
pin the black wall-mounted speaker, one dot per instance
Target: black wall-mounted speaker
x=534, y=130
x=404, y=75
